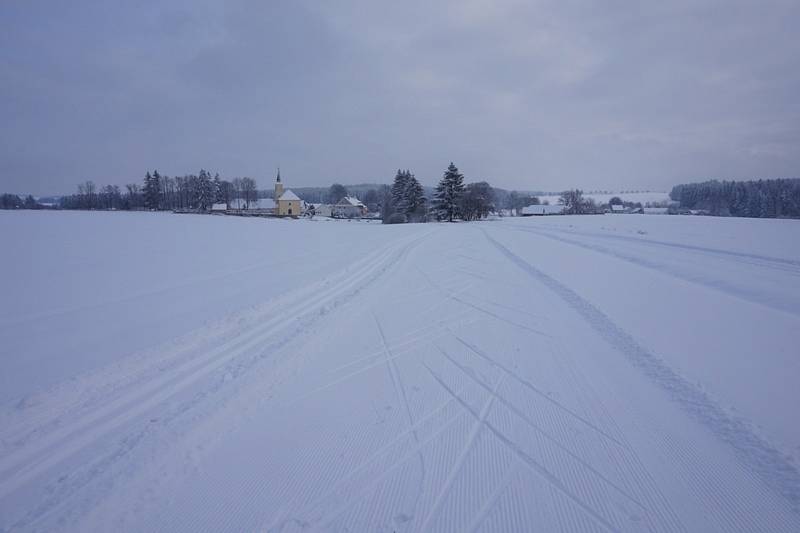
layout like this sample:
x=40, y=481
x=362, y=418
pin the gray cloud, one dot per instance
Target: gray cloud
x=536, y=95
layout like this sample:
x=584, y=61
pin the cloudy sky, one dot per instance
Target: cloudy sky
x=526, y=94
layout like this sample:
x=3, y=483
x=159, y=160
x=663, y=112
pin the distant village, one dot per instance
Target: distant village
x=407, y=200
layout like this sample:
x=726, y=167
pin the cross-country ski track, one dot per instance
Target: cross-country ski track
x=509, y=375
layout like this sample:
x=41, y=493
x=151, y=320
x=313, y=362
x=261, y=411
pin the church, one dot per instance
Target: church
x=287, y=203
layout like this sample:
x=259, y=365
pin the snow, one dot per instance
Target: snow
x=622, y=373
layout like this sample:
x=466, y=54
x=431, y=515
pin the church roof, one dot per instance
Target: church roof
x=289, y=195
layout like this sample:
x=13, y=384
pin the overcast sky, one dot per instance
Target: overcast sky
x=527, y=95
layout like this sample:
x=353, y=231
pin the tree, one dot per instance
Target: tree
x=516, y=201
x=574, y=202
x=615, y=201
x=385, y=203
x=399, y=189
x=477, y=201
x=336, y=193
x=205, y=190
x=407, y=196
x=133, y=198
x=86, y=195
x=371, y=199
x=448, y=194
x=414, y=199
x=152, y=190
x=249, y=191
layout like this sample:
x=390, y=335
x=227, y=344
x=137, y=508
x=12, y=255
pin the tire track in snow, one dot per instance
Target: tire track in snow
x=787, y=306
x=787, y=265
x=775, y=470
x=22, y=466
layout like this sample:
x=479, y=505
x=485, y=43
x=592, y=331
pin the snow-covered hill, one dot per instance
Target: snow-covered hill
x=199, y=373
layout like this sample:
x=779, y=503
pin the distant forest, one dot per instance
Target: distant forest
x=778, y=198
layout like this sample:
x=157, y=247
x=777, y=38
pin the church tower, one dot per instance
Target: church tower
x=278, y=187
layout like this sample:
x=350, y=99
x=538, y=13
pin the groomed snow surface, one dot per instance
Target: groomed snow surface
x=208, y=373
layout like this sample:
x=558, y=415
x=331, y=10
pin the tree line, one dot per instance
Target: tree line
x=773, y=198
x=160, y=192
x=13, y=201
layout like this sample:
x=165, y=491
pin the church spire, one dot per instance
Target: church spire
x=279, y=175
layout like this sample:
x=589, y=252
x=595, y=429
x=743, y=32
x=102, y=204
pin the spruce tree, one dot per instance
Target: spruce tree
x=448, y=194
x=152, y=190
x=205, y=190
x=413, y=196
x=399, y=190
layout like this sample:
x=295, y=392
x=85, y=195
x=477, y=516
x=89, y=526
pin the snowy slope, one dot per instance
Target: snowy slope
x=579, y=373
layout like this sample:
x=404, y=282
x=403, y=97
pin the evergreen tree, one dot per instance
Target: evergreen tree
x=205, y=190
x=413, y=197
x=152, y=190
x=448, y=194
x=219, y=191
x=399, y=190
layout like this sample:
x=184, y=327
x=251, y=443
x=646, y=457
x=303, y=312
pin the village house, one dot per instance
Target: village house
x=349, y=207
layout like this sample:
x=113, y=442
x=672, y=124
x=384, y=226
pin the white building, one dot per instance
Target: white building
x=540, y=210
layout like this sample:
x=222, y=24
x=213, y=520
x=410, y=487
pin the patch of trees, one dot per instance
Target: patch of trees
x=774, y=198
x=159, y=192
x=576, y=204
x=12, y=201
x=406, y=201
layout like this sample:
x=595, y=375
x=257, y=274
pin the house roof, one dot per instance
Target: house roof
x=617, y=207
x=350, y=201
x=219, y=207
x=289, y=195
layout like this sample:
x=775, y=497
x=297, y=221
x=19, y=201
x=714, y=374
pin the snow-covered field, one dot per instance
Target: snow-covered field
x=199, y=373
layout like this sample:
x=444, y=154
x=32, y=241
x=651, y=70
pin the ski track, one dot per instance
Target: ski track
x=24, y=464
x=770, y=465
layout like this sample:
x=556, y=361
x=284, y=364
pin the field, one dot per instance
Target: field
x=208, y=373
